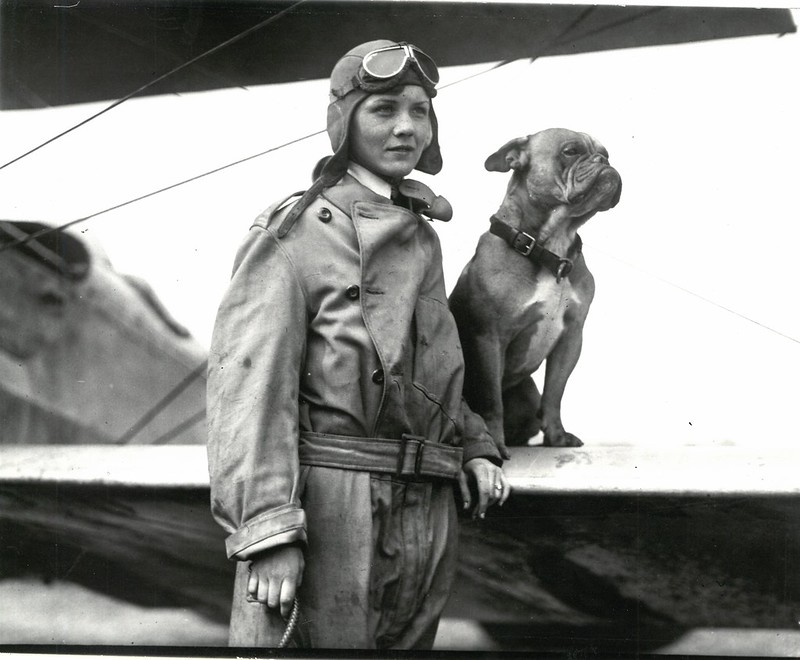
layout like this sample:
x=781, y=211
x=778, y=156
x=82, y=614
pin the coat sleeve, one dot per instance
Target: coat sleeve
x=476, y=440
x=256, y=356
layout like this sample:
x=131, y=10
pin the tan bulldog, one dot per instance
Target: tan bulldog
x=524, y=296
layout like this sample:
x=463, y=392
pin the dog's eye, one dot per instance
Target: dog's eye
x=570, y=151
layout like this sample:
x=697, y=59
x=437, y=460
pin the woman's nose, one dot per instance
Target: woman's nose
x=404, y=124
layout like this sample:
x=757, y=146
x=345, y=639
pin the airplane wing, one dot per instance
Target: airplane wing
x=55, y=53
x=614, y=544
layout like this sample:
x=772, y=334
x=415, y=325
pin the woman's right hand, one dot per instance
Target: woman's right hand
x=275, y=576
x=488, y=482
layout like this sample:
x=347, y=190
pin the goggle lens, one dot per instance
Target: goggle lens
x=384, y=63
x=388, y=62
x=426, y=65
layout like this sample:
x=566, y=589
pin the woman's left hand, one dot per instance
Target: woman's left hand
x=486, y=481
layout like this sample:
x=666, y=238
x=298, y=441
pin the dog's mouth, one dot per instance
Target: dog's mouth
x=585, y=178
x=598, y=192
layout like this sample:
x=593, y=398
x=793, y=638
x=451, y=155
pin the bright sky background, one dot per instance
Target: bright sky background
x=706, y=137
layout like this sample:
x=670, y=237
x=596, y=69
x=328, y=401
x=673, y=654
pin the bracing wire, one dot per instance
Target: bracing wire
x=648, y=11
x=49, y=230
x=157, y=80
x=475, y=75
x=167, y=399
x=699, y=296
x=543, y=48
x=179, y=428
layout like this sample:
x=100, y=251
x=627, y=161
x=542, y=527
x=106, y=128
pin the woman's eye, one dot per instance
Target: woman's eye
x=421, y=111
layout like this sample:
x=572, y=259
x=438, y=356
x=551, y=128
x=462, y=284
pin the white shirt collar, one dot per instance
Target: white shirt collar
x=369, y=179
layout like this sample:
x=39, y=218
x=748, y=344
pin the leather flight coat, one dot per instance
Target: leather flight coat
x=341, y=327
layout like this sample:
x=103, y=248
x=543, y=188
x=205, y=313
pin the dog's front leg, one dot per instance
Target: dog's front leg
x=483, y=377
x=559, y=365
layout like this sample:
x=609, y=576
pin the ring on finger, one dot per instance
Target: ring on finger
x=498, y=487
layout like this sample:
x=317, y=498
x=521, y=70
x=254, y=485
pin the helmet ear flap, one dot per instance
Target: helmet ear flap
x=430, y=162
x=338, y=123
x=340, y=114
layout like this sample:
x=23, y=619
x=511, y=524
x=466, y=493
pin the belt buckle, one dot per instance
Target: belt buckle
x=523, y=243
x=401, y=457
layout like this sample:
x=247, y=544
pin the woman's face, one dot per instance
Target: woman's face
x=390, y=130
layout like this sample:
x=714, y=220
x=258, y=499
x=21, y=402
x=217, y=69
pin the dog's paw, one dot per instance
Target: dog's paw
x=562, y=440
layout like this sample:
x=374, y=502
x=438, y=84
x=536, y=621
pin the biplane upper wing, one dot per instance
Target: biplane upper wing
x=74, y=52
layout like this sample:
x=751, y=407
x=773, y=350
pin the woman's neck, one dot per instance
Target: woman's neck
x=369, y=179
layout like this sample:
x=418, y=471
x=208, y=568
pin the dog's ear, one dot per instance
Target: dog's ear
x=511, y=156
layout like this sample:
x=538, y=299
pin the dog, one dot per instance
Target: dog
x=524, y=296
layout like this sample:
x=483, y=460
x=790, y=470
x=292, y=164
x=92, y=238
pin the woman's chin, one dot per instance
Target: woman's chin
x=396, y=170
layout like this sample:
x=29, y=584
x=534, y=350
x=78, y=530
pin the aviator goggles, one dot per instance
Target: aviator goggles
x=385, y=64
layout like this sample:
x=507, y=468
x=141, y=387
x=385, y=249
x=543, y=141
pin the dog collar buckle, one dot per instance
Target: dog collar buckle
x=524, y=243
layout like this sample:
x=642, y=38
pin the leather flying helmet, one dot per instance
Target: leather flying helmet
x=371, y=67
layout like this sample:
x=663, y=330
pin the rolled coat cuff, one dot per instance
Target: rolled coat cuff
x=285, y=524
x=481, y=448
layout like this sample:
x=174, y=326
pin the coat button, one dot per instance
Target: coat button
x=324, y=214
x=377, y=376
x=353, y=292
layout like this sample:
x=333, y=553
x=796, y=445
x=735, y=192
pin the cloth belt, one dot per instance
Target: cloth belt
x=527, y=246
x=410, y=456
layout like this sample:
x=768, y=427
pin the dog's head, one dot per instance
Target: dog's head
x=562, y=168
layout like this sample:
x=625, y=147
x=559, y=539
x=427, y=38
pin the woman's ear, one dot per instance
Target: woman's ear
x=511, y=156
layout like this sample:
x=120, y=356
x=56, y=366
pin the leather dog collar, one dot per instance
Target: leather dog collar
x=526, y=245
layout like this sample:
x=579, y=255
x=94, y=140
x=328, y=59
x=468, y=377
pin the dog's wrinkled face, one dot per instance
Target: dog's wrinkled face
x=561, y=167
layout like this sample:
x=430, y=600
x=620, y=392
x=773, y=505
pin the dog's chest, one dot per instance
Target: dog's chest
x=544, y=316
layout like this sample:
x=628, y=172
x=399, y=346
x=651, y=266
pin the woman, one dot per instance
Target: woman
x=337, y=430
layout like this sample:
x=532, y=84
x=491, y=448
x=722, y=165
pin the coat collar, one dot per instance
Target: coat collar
x=348, y=190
